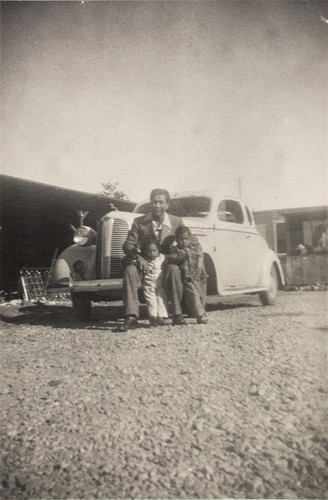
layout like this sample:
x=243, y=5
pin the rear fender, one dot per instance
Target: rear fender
x=269, y=260
x=63, y=267
x=212, y=285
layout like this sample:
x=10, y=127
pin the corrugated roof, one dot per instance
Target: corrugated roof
x=21, y=194
x=306, y=211
x=287, y=211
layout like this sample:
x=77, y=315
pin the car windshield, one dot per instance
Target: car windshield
x=191, y=206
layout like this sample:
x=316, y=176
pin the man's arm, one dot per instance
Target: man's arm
x=130, y=246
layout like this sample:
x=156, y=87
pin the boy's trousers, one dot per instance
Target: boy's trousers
x=194, y=293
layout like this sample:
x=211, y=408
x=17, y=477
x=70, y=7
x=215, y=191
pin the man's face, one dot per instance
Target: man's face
x=159, y=206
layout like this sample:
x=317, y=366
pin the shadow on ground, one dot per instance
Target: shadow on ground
x=223, y=307
x=61, y=316
x=104, y=315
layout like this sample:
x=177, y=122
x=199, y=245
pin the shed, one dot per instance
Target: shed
x=304, y=226
x=36, y=220
x=307, y=245
x=299, y=236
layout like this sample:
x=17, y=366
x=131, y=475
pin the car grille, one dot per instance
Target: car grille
x=98, y=250
x=111, y=235
x=119, y=234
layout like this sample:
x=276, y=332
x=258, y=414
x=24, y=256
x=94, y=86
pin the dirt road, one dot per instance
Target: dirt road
x=232, y=409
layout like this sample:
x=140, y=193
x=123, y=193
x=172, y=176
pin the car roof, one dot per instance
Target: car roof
x=202, y=192
x=186, y=194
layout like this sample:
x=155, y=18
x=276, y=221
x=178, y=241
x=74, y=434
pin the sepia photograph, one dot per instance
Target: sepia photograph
x=164, y=249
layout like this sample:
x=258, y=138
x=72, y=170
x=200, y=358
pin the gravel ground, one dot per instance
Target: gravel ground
x=232, y=409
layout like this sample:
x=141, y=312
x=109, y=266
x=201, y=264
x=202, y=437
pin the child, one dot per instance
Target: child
x=188, y=255
x=152, y=283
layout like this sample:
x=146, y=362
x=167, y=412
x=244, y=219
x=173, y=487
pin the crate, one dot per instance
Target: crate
x=33, y=282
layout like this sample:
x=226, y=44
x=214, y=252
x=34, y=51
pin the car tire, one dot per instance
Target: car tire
x=82, y=307
x=268, y=298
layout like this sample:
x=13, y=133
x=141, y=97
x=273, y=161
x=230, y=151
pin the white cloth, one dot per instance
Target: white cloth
x=153, y=289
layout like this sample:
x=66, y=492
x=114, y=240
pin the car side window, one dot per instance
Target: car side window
x=249, y=217
x=230, y=211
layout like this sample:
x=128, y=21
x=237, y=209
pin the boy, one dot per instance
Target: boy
x=188, y=255
x=152, y=282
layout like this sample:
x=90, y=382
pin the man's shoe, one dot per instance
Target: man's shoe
x=178, y=320
x=130, y=323
x=160, y=321
x=153, y=321
x=202, y=320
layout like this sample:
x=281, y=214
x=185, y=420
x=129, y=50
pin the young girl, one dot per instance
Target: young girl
x=152, y=283
x=188, y=255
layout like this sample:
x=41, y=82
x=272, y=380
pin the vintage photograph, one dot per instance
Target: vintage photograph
x=164, y=249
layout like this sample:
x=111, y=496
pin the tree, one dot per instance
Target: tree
x=111, y=191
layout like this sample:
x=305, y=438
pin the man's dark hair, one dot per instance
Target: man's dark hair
x=146, y=243
x=159, y=191
x=182, y=230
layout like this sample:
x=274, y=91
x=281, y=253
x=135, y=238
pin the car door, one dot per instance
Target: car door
x=230, y=244
x=255, y=248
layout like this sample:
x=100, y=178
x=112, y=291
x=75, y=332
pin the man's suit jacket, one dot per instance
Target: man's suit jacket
x=142, y=229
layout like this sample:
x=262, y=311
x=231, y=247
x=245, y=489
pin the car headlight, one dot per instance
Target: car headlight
x=79, y=267
x=84, y=236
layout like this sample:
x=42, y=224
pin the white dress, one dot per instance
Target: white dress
x=153, y=288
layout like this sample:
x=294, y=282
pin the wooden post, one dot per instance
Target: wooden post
x=53, y=260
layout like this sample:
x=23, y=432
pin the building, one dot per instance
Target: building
x=300, y=237
x=37, y=220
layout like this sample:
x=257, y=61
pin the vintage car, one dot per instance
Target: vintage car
x=237, y=257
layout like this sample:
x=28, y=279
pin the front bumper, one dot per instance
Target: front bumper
x=96, y=286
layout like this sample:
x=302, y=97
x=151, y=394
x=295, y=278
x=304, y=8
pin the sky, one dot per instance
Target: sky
x=183, y=95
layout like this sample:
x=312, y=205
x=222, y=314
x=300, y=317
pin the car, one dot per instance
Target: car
x=237, y=257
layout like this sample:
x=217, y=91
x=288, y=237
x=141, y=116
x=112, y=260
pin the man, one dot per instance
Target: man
x=162, y=226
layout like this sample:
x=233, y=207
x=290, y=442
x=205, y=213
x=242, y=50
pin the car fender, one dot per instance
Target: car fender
x=270, y=258
x=212, y=281
x=63, y=267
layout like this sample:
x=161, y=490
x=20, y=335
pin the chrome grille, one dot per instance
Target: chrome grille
x=119, y=234
x=98, y=250
x=111, y=235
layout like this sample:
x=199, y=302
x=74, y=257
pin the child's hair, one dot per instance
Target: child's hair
x=182, y=230
x=146, y=244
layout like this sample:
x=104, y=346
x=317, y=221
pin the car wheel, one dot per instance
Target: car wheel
x=81, y=307
x=268, y=298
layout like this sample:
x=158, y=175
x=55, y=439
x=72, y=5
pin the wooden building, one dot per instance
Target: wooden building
x=299, y=236
x=36, y=222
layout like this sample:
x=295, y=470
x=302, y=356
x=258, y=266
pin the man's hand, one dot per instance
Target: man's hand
x=183, y=254
x=142, y=264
